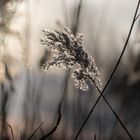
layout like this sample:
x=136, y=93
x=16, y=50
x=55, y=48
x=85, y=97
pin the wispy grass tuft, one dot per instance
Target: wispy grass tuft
x=68, y=52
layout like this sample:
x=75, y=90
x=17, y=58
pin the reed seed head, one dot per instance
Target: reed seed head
x=68, y=52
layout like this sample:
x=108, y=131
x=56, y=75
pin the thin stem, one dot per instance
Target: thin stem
x=110, y=78
x=95, y=137
x=137, y=16
x=101, y=95
x=122, y=124
x=55, y=127
x=64, y=6
x=35, y=131
x=77, y=20
x=12, y=133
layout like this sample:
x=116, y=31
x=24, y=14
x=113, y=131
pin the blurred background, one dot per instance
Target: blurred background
x=30, y=96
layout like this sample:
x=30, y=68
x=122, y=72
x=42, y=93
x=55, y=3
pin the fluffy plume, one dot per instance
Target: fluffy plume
x=68, y=52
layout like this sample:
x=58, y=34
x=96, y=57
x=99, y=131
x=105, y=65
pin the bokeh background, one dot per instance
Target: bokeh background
x=30, y=96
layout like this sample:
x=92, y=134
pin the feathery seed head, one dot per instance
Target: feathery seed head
x=68, y=51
